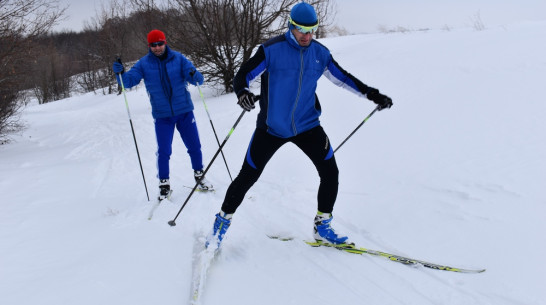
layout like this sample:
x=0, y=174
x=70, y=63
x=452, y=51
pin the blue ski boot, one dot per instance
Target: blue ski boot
x=324, y=232
x=221, y=224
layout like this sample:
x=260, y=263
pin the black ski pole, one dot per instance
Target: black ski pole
x=133, y=130
x=214, y=130
x=172, y=223
x=362, y=123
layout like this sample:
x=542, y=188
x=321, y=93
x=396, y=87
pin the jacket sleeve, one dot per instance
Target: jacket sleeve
x=187, y=69
x=337, y=75
x=249, y=71
x=132, y=77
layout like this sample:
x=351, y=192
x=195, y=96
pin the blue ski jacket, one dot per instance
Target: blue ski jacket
x=166, y=82
x=289, y=75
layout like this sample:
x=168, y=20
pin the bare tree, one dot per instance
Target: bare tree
x=51, y=77
x=150, y=15
x=110, y=35
x=20, y=23
x=326, y=13
x=220, y=34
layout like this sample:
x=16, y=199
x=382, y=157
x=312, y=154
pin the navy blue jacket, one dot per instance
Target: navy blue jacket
x=166, y=82
x=289, y=75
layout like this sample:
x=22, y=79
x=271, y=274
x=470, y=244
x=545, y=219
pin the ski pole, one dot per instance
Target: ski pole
x=133, y=130
x=362, y=123
x=214, y=130
x=172, y=223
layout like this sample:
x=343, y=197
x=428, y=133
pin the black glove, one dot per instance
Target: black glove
x=247, y=100
x=381, y=100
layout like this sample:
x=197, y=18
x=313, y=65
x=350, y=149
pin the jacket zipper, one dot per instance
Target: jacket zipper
x=165, y=77
x=170, y=94
x=294, y=127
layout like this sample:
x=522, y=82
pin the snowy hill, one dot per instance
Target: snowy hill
x=453, y=174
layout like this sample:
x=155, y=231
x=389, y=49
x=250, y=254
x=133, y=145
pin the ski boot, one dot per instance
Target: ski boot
x=221, y=224
x=324, y=233
x=203, y=183
x=164, y=189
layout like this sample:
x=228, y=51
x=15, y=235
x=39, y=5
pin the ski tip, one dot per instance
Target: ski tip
x=459, y=270
x=472, y=270
x=282, y=238
x=200, y=190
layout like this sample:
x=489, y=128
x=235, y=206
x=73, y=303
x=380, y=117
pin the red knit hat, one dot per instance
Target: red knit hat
x=155, y=36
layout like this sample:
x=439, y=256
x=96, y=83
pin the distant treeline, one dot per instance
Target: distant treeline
x=217, y=35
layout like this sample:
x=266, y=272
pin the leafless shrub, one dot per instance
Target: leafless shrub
x=386, y=30
x=111, y=35
x=326, y=13
x=21, y=22
x=336, y=30
x=477, y=22
x=51, y=77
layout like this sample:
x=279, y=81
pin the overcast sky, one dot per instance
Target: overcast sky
x=364, y=16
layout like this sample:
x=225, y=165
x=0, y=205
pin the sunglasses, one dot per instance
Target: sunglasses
x=157, y=44
x=304, y=28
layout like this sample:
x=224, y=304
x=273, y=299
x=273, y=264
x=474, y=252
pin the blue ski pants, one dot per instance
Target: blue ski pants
x=164, y=132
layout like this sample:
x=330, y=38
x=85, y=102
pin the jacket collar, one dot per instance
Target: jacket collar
x=292, y=40
x=166, y=55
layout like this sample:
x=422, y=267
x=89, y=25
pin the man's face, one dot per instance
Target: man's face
x=303, y=39
x=158, y=48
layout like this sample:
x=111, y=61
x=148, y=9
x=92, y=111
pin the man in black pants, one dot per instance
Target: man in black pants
x=290, y=66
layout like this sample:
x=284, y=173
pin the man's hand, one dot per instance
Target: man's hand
x=247, y=100
x=196, y=78
x=117, y=66
x=381, y=100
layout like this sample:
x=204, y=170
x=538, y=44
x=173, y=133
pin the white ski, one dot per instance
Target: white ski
x=198, y=189
x=154, y=207
x=201, y=261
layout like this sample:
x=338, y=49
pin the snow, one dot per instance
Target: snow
x=452, y=174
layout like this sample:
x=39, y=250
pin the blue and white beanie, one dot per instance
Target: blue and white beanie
x=303, y=14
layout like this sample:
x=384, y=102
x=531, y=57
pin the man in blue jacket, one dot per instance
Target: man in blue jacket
x=166, y=74
x=290, y=66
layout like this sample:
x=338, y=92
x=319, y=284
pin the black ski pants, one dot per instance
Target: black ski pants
x=314, y=143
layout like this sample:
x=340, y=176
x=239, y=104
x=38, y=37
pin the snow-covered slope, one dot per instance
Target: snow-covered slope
x=453, y=174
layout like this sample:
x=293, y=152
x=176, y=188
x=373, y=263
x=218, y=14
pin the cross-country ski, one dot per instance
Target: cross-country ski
x=350, y=248
x=202, y=259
